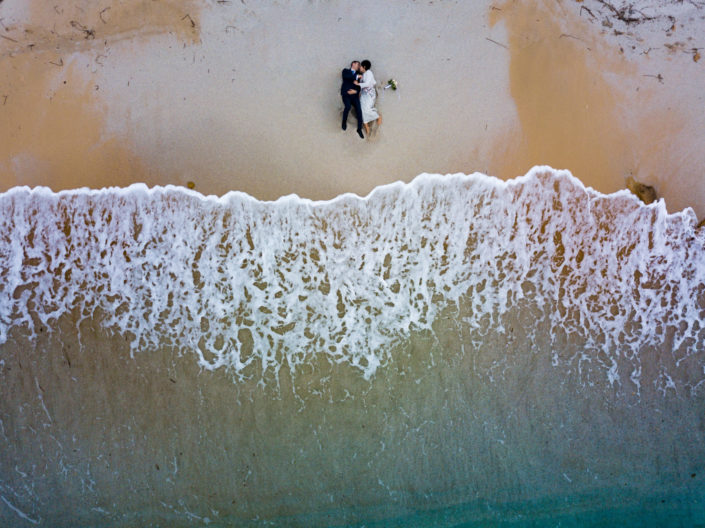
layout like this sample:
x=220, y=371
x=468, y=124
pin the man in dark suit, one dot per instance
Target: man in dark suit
x=350, y=92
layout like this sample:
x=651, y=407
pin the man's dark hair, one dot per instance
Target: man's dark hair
x=366, y=64
x=353, y=62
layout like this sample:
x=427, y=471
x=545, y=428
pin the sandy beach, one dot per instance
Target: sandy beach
x=243, y=96
x=460, y=350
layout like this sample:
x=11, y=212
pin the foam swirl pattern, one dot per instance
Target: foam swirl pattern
x=249, y=285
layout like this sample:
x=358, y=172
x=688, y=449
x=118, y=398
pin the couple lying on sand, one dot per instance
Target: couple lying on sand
x=358, y=90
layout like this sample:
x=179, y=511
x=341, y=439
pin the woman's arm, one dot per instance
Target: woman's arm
x=368, y=80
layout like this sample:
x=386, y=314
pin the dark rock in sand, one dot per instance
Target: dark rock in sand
x=646, y=193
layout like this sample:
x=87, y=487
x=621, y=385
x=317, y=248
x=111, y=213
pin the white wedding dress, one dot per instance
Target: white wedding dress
x=368, y=97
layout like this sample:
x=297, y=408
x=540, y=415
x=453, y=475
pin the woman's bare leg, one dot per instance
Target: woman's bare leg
x=367, y=128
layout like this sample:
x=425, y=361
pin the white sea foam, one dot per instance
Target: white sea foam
x=248, y=285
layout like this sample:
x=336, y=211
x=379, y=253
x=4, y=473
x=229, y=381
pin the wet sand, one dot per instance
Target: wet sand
x=239, y=96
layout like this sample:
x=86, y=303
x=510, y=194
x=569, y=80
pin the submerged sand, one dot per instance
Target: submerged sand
x=237, y=95
x=177, y=361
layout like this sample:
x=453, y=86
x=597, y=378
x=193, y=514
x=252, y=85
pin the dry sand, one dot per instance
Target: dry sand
x=235, y=95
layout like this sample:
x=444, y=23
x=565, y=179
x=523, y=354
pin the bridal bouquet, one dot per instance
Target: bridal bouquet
x=391, y=83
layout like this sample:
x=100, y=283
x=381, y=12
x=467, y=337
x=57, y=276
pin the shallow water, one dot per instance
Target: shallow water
x=459, y=351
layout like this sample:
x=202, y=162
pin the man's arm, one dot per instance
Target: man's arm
x=349, y=75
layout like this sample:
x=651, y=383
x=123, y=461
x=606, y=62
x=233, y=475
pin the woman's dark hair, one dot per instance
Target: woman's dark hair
x=366, y=64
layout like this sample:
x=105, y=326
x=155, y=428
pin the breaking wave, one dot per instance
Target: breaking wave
x=250, y=286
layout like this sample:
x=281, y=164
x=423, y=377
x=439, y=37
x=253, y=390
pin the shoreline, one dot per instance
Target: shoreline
x=420, y=179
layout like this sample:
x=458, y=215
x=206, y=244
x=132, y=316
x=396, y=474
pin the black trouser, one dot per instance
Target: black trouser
x=352, y=100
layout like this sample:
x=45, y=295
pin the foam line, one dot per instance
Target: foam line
x=247, y=285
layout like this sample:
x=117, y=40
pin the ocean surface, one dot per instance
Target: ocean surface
x=456, y=351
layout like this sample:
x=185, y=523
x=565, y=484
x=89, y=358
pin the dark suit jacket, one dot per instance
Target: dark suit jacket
x=349, y=78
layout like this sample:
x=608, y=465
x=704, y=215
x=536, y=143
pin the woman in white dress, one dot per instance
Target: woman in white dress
x=368, y=96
